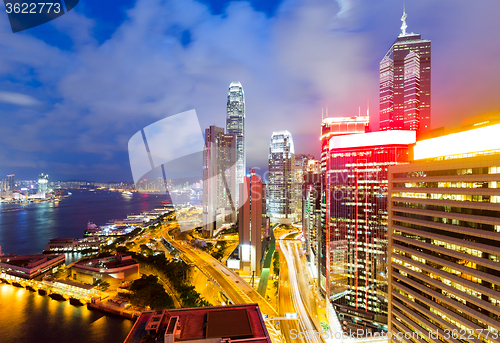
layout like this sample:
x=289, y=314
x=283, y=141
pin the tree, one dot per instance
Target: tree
x=276, y=263
x=147, y=291
x=101, y=285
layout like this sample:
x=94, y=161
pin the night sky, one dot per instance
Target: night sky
x=73, y=91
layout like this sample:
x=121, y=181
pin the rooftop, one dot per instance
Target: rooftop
x=235, y=322
x=27, y=261
x=117, y=261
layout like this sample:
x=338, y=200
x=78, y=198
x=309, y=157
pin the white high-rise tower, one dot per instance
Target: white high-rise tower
x=235, y=125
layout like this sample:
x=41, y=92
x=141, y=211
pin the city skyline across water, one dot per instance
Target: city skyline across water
x=37, y=223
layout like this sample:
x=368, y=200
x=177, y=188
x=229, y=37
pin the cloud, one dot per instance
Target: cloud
x=18, y=99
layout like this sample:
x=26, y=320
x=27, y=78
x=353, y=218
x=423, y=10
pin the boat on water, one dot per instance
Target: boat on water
x=76, y=302
x=92, y=190
x=57, y=296
x=126, y=193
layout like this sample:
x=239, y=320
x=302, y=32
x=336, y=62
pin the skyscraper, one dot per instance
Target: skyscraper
x=281, y=183
x=250, y=221
x=311, y=213
x=11, y=181
x=235, y=125
x=337, y=126
x=219, y=179
x=43, y=183
x=301, y=163
x=356, y=221
x=405, y=83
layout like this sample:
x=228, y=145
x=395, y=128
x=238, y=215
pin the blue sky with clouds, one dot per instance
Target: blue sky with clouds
x=73, y=91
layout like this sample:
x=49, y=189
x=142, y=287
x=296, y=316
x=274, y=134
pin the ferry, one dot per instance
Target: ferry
x=126, y=193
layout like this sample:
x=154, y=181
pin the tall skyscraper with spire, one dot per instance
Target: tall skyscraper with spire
x=235, y=125
x=405, y=83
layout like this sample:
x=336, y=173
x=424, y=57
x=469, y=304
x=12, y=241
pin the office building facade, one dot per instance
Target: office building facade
x=444, y=234
x=405, y=84
x=219, y=179
x=331, y=127
x=311, y=216
x=11, y=181
x=281, y=185
x=301, y=165
x=356, y=221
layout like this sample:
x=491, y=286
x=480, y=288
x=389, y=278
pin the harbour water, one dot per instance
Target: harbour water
x=29, y=317
x=28, y=230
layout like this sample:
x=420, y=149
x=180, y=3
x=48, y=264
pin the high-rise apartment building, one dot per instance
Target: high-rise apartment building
x=281, y=185
x=356, y=222
x=219, y=179
x=405, y=84
x=444, y=238
x=235, y=125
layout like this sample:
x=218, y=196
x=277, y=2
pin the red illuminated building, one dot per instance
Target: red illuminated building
x=355, y=220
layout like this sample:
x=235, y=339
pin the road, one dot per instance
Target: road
x=234, y=287
x=286, y=302
x=305, y=323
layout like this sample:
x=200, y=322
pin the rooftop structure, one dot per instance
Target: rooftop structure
x=114, y=269
x=29, y=266
x=241, y=323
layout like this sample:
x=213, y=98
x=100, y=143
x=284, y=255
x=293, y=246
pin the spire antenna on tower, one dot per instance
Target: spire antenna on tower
x=403, y=19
